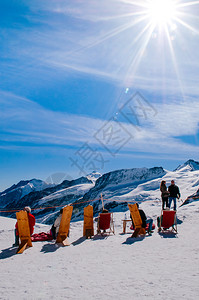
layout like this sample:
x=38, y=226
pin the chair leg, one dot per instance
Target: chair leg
x=22, y=246
x=112, y=225
x=136, y=232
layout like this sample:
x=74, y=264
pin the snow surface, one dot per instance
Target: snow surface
x=186, y=179
x=110, y=267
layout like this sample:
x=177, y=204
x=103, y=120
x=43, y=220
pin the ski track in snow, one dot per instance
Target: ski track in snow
x=110, y=267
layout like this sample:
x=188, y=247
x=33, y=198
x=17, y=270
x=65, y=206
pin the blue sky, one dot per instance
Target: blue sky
x=96, y=85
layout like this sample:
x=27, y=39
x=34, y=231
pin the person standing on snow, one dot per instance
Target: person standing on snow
x=164, y=194
x=31, y=220
x=174, y=193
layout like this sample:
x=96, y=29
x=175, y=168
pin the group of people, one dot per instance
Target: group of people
x=170, y=195
x=167, y=195
x=53, y=231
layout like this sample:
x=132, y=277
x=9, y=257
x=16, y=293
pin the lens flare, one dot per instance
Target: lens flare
x=161, y=12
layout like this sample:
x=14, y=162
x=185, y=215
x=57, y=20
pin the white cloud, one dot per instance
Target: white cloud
x=25, y=122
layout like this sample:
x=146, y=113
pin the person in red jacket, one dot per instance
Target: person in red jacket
x=31, y=220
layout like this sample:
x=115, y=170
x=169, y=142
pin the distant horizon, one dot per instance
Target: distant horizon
x=59, y=177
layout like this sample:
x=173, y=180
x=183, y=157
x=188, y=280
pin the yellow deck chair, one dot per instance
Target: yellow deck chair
x=24, y=231
x=88, y=229
x=136, y=220
x=62, y=236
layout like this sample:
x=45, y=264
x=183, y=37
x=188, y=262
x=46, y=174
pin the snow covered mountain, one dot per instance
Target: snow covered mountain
x=59, y=195
x=190, y=165
x=115, y=185
x=12, y=195
x=117, y=188
x=121, y=181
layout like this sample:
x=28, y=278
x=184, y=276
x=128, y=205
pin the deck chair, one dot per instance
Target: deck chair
x=105, y=221
x=62, y=236
x=136, y=220
x=24, y=231
x=167, y=220
x=88, y=230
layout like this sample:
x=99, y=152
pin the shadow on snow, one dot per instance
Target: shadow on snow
x=130, y=240
x=9, y=252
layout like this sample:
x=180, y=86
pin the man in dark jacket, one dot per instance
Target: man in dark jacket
x=174, y=193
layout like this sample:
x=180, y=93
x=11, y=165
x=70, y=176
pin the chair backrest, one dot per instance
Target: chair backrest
x=65, y=220
x=104, y=221
x=135, y=214
x=23, y=224
x=168, y=218
x=24, y=230
x=88, y=219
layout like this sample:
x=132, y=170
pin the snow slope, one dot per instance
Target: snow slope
x=186, y=179
x=110, y=267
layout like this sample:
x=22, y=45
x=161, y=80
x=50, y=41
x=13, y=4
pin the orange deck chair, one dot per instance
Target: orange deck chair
x=62, y=236
x=24, y=231
x=88, y=229
x=135, y=214
x=168, y=220
x=105, y=222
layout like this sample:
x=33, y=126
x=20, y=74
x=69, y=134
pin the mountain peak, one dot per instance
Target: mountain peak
x=190, y=165
x=94, y=176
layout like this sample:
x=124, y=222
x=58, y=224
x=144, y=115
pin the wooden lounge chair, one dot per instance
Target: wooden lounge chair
x=24, y=231
x=136, y=220
x=88, y=230
x=167, y=220
x=105, y=222
x=62, y=236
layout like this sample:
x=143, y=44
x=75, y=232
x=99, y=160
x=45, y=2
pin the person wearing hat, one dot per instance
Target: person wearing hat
x=31, y=220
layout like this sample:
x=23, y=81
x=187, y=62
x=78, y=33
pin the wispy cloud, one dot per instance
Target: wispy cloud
x=26, y=123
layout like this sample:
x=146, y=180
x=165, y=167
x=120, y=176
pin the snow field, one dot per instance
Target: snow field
x=109, y=267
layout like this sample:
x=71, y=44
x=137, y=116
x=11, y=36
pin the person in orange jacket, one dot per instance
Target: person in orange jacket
x=31, y=220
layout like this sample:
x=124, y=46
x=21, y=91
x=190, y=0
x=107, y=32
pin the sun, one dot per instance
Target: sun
x=161, y=12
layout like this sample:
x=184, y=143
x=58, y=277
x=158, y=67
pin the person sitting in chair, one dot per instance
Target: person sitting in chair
x=160, y=218
x=144, y=220
x=104, y=211
x=31, y=220
x=56, y=224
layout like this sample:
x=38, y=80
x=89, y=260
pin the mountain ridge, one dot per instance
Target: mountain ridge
x=117, y=188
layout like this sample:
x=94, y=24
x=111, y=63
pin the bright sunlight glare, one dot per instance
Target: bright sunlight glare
x=161, y=12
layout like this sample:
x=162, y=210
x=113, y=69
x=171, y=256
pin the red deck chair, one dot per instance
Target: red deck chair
x=105, y=221
x=167, y=220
